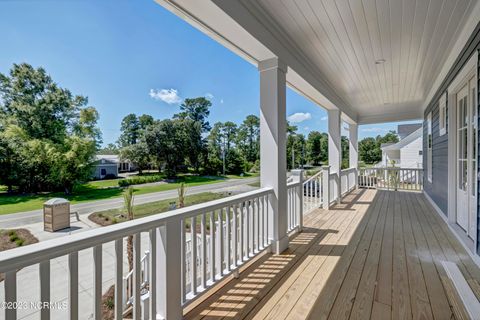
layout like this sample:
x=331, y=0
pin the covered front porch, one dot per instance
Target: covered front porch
x=376, y=255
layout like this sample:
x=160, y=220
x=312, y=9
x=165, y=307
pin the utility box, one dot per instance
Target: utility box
x=56, y=214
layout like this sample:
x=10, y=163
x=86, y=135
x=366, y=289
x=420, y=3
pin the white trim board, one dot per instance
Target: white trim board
x=468, y=70
x=472, y=255
x=470, y=301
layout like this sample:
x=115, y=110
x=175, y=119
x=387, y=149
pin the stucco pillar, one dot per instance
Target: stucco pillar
x=273, y=162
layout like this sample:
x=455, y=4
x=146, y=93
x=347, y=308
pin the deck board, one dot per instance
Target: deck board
x=376, y=255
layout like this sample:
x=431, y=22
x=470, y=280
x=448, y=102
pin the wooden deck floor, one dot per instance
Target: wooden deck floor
x=375, y=256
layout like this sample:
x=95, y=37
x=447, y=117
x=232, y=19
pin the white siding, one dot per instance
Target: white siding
x=410, y=156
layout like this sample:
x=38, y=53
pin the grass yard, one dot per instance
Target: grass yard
x=113, y=216
x=104, y=183
x=94, y=190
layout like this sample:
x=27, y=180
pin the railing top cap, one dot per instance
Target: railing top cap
x=50, y=249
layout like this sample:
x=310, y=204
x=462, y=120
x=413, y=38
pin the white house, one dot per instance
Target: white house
x=407, y=153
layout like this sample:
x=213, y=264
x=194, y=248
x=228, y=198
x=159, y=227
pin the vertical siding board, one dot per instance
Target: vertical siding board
x=437, y=190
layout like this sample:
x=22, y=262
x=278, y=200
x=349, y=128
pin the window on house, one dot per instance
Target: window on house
x=429, y=146
x=103, y=172
x=420, y=152
x=442, y=109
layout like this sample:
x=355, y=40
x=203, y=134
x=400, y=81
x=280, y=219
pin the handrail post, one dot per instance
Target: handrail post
x=325, y=187
x=169, y=261
x=298, y=177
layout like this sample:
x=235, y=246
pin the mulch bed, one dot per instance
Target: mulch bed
x=14, y=238
x=100, y=219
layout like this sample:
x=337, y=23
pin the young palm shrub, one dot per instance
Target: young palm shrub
x=181, y=195
x=128, y=203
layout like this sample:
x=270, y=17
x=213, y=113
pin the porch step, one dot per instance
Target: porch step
x=463, y=289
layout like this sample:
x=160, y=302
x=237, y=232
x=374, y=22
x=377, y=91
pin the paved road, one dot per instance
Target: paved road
x=24, y=218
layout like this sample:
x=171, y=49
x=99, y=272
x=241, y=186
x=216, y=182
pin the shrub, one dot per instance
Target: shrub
x=139, y=180
x=13, y=236
x=19, y=242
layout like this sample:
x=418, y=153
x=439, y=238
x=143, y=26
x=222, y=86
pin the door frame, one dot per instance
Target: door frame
x=468, y=71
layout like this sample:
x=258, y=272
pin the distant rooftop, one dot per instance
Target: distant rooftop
x=405, y=130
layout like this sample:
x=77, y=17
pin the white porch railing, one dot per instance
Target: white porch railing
x=177, y=238
x=391, y=178
x=295, y=200
x=128, y=281
x=312, y=192
x=348, y=180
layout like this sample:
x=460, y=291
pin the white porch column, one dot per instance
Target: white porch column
x=169, y=271
x=335, y=149
x=353, y=149
x=273, y=161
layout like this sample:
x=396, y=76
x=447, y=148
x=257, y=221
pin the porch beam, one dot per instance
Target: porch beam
x=335, y=150
x=273, y=162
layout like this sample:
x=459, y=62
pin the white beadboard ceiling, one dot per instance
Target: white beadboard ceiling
x=331, y=46
x=345, y=38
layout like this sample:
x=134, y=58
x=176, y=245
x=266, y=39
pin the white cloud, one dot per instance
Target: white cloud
x=299, y=117
x=209, y=96
x=374, y=129
x=221, y=101
x=169, y=96
x=324, y=118
x=306, y=128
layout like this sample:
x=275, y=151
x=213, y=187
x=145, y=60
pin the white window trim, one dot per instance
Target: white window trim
x=442, y=111
x=429, y=147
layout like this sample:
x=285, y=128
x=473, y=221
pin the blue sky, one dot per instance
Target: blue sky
x=136, y=57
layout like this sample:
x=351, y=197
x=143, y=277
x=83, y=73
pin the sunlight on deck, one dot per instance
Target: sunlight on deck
x=376, y=255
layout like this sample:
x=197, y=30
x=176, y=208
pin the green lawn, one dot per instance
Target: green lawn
x=104, y=183
x=91, y=191
x=112, y=216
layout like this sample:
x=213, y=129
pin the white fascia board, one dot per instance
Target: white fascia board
x=211, y=20
x=241, y=30
x=462, y=40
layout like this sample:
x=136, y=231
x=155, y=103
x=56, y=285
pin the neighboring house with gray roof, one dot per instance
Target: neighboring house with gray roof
x=110, y=165
x=407, y=153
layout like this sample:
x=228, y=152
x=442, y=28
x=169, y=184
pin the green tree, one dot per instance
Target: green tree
x=138, y=154
x=194, y=143
x=144, y=121
x=369, y=150
x=196, y=109
x=166, y=143
x=111, y=148
x=345, y=145
x=317, y=148
x=390, y=137
x=229, y=130
x=130, y=130
x=48, y=135
x=248, y=138
x=295, y=150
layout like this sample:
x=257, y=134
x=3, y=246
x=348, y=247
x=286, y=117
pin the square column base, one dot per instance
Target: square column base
x=278, y=246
